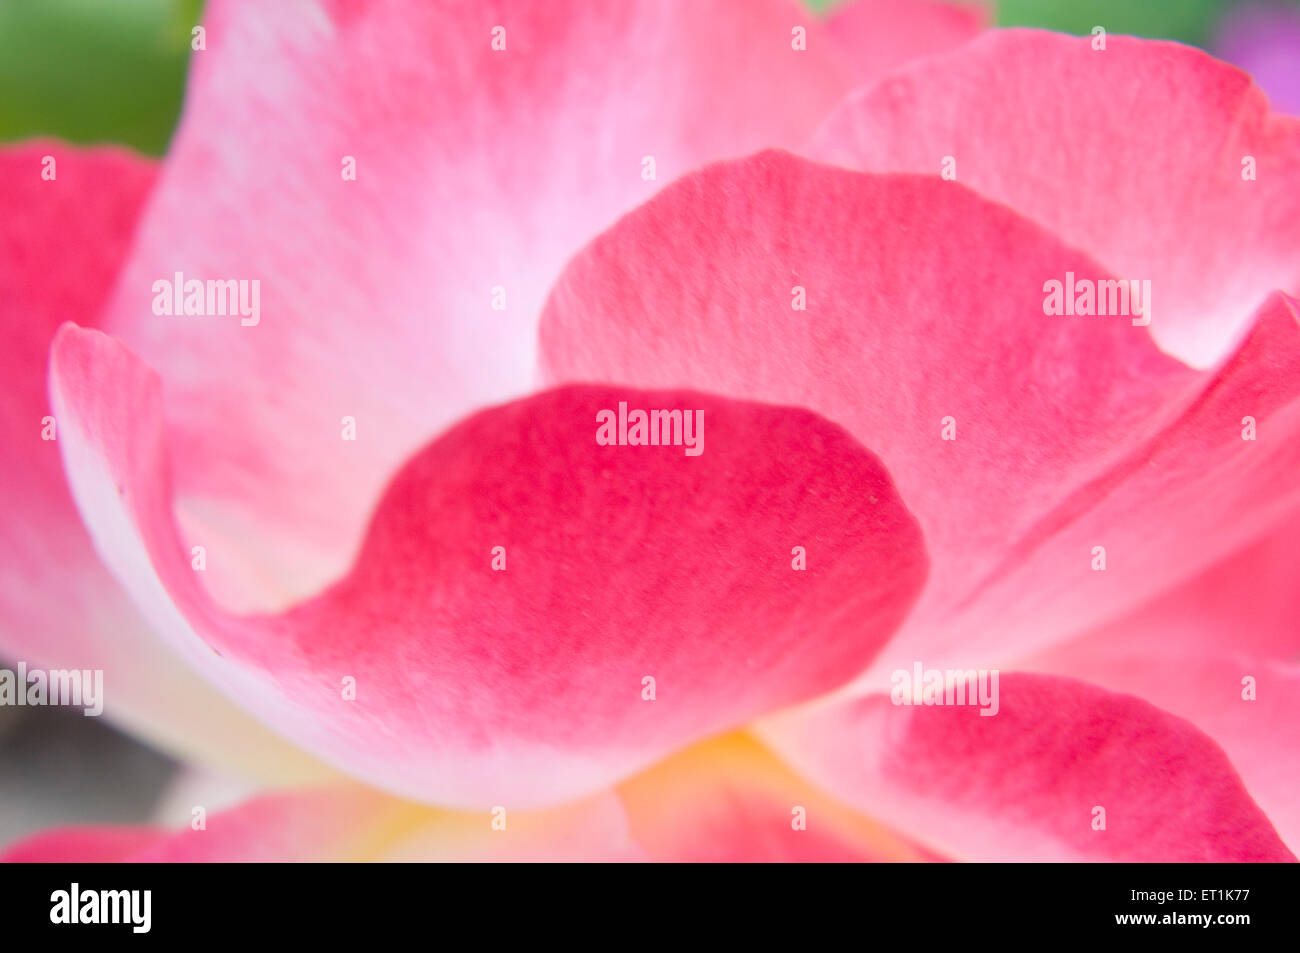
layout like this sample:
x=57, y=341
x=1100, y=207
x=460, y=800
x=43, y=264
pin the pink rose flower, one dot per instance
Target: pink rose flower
x=986, y=344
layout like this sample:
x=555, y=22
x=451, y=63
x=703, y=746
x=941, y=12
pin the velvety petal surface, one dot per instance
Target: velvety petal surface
x=61, y=241
x=409, y=295
x=1035, y=449
x=1026, y=783
x=1137, y=153
x=623, y=574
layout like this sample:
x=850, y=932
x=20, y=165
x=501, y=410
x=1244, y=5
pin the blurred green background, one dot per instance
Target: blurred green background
x=114, y=70
x=94, y=70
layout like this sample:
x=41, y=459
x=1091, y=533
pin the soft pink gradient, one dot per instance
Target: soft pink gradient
x=522, y=690
x=63, y=242
x=476, y=170
x=1071, y=432
x=1133, y=154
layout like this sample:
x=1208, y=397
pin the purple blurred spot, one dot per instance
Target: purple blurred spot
x=1264, y=40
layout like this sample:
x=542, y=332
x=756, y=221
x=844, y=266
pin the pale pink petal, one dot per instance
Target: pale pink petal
x=621, y=563
x=879, y=36
x=61, y=241
x=1027, y=783
x=924, y=314
x=1191, y=652
x=347, y=823
x=729, y=800
x=592, y=829
x=1136, y=154
x=725, y=800
x=478, y=172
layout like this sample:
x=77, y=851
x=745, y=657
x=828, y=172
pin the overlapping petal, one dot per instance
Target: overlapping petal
x=1035, y=449
x=532, y=616
x=1062, y=771
x=1159, y=161
x=69, y=215
x=615, y=567
x=348, y=823
x=409, y=296
x=1222, y=651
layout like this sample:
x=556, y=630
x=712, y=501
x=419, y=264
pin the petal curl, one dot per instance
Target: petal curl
x=924, y=319
x=1136, y=154
x=61, y=242
x=525, y=684
x=1024, y=784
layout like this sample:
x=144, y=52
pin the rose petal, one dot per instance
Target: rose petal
x=1025, y=783
x=1190, y=651
x=524, y=686
x=729, y=801
x=725, y=800
x=61, y=240
x=1247, y=603
x=1134, y=154
x=476, y=169
x=346, y=823
x=924, y=309
x=879, y=36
